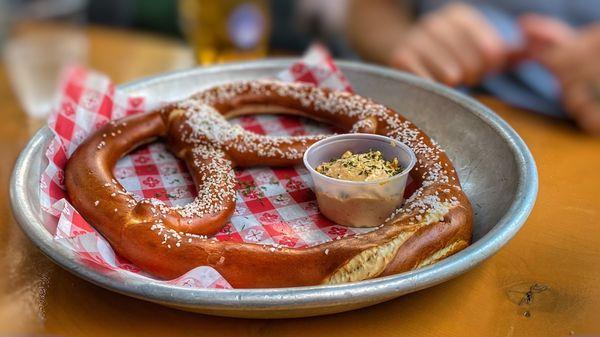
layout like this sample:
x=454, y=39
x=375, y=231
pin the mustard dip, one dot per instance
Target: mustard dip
x=368, y=166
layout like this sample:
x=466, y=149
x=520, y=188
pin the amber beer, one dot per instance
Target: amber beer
x=226, y=30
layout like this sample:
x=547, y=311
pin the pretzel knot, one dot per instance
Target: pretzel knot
x=167, y=241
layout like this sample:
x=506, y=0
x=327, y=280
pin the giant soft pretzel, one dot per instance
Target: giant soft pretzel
x=434, y=222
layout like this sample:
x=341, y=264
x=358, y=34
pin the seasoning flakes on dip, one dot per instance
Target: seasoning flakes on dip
x=368, y=166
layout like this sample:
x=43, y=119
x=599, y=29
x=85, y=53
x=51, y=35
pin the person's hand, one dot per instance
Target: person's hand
x=573, y=56
x=454, y=45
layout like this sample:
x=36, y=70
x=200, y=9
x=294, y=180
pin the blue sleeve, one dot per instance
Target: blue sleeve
x=530, y=85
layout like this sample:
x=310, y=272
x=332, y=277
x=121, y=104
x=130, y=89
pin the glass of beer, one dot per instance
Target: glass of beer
x=226, y=30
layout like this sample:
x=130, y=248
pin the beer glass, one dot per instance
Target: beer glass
x=226, y=30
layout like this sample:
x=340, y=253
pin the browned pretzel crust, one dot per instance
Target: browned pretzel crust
x=434, y=222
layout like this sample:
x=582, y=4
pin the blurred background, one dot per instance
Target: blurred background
x=521, y=51
x=38, y=38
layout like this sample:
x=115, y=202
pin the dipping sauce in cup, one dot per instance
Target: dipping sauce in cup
x=366, y=200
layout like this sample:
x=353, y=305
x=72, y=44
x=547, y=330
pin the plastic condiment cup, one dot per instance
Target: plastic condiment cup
x=358, y=203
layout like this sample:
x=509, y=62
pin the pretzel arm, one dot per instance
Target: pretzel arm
x=90, y=182
x=215, y=183
x=269, y=150
x=93, y=189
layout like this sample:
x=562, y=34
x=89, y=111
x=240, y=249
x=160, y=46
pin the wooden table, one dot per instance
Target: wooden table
x=558, y=249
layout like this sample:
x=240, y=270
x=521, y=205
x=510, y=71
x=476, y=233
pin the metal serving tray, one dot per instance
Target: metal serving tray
x=497, y=171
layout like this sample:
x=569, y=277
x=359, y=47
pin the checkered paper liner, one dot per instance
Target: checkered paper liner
x=273, y=205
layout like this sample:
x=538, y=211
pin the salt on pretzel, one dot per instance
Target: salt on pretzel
x=435, y=222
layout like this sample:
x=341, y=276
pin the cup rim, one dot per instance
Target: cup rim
x=388, y=141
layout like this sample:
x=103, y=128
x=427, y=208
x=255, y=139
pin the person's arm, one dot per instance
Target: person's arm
x=572, y=55
x=454, y=44
x=374, y=26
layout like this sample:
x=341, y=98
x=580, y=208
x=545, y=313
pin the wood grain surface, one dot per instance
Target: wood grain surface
x=545, y=282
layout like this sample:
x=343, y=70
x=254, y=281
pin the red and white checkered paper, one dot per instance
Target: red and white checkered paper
x=274, y=206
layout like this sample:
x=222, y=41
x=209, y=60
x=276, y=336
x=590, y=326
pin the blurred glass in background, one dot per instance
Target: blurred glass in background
x=228, y=30
x=40, y=38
